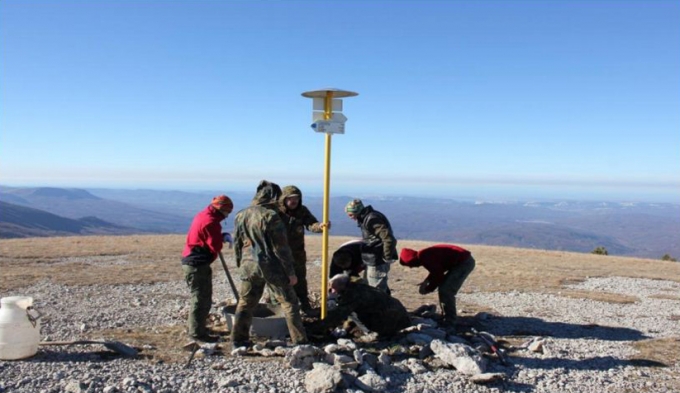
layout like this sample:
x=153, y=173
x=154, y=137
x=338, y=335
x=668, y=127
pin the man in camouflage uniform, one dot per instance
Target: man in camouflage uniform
x=379, y=248
x=264, y=258
x=297, y=217
x=377, y=310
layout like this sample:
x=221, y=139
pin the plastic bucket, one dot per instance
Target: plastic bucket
x=19, y=328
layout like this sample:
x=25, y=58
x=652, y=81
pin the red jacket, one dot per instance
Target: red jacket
x=204, y=236
x=438, y=260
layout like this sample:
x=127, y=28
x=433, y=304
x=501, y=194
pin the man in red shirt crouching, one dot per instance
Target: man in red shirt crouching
x=449, y=266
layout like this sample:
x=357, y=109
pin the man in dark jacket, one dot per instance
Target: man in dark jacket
x=203, y=244
x=377, y=310
x=297, y=218
x=347, y=259
x=449, y=266
x=264, y=259
x=379, y=248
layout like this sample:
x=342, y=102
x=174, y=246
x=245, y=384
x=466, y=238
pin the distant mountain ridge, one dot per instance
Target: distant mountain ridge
x=633, y=229
x=78, y=203
x=19, y=221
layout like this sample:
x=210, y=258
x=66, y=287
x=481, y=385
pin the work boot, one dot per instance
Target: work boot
x=307, y=309
x=239, y=344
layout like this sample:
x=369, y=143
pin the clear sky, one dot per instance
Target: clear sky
x=481, y=99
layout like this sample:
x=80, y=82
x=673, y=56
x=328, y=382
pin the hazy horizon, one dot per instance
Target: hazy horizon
x=459, y=192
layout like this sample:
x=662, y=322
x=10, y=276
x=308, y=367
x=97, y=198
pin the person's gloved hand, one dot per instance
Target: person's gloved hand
x=422, y=288
x=226, y=238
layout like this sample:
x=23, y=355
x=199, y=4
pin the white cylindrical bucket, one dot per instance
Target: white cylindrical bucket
x=19, y=328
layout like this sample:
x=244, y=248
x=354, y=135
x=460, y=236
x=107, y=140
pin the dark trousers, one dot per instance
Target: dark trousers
x=199, y=280
x=453, y=280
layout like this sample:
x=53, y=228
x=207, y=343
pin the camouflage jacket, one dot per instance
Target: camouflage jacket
x=297, y=221
x=377, y=310
x=259, y=230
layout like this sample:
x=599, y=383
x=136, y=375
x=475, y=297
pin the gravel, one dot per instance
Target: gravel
x=588, y=345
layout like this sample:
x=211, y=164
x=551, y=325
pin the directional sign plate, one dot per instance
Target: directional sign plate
x=329, y=127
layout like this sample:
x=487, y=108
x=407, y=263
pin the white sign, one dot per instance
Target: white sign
x=329, y=126
x=319, y=104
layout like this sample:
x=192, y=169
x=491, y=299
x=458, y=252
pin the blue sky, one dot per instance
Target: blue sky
x=483, y=99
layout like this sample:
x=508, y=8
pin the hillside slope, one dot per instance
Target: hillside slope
x=19, y=221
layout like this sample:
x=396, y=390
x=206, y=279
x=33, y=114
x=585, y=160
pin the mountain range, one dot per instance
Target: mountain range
x=631, y=229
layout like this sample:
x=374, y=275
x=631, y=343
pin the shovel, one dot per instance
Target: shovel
x=115, y=346
x=231, y=281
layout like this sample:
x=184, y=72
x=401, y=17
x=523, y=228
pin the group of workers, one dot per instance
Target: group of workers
x=269, y=247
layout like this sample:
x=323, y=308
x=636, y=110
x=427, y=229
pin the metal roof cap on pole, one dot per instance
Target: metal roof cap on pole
x=325, y=121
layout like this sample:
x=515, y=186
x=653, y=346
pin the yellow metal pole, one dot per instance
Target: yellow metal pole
x=328, y=114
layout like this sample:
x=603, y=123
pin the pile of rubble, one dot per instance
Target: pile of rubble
x=367, y=363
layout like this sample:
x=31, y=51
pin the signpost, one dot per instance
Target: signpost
x=324, y=120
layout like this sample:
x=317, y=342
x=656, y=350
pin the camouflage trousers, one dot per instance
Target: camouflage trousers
x=376, y=276
x=251, y=291
x=301, y=288
x=199, y=280
x=453, y=280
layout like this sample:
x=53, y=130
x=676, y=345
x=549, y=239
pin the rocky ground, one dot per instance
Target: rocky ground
x=553, y=343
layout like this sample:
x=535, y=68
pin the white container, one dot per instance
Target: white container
x=19, y=328
x=268, y=320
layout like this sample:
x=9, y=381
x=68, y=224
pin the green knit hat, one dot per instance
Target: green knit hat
x=354, y=206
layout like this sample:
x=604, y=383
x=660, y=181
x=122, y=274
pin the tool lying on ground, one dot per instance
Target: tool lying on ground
x=492, y=343
x=115, y=346
x=193, y=347
x=231, y=281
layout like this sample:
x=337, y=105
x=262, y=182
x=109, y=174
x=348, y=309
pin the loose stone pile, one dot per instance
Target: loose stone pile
x=563, y=345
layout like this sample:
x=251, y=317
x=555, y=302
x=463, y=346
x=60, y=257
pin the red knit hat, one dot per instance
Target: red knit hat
x=409, y=257
x=222, y=202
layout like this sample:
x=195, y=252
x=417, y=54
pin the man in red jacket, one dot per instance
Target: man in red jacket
x=203, y=244
x=449, y=266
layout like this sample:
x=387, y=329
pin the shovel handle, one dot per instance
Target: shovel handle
x=231, y=281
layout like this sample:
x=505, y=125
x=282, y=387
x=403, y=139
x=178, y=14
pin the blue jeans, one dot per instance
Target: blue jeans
x=377, y=277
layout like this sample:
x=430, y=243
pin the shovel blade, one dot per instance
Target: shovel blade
x=121, y=348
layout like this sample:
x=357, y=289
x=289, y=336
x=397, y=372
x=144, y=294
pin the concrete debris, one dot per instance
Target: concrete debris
x=487, y=378
x=536, y=344
x=414, y=366
x=462, y=357
x=240, y=351
x=371, y=383
x=322, y=378
x=304, y=356
x=346, y=344
x=358, y=356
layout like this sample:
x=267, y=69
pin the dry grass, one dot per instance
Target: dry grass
x=155, y=258
x=662, y=350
